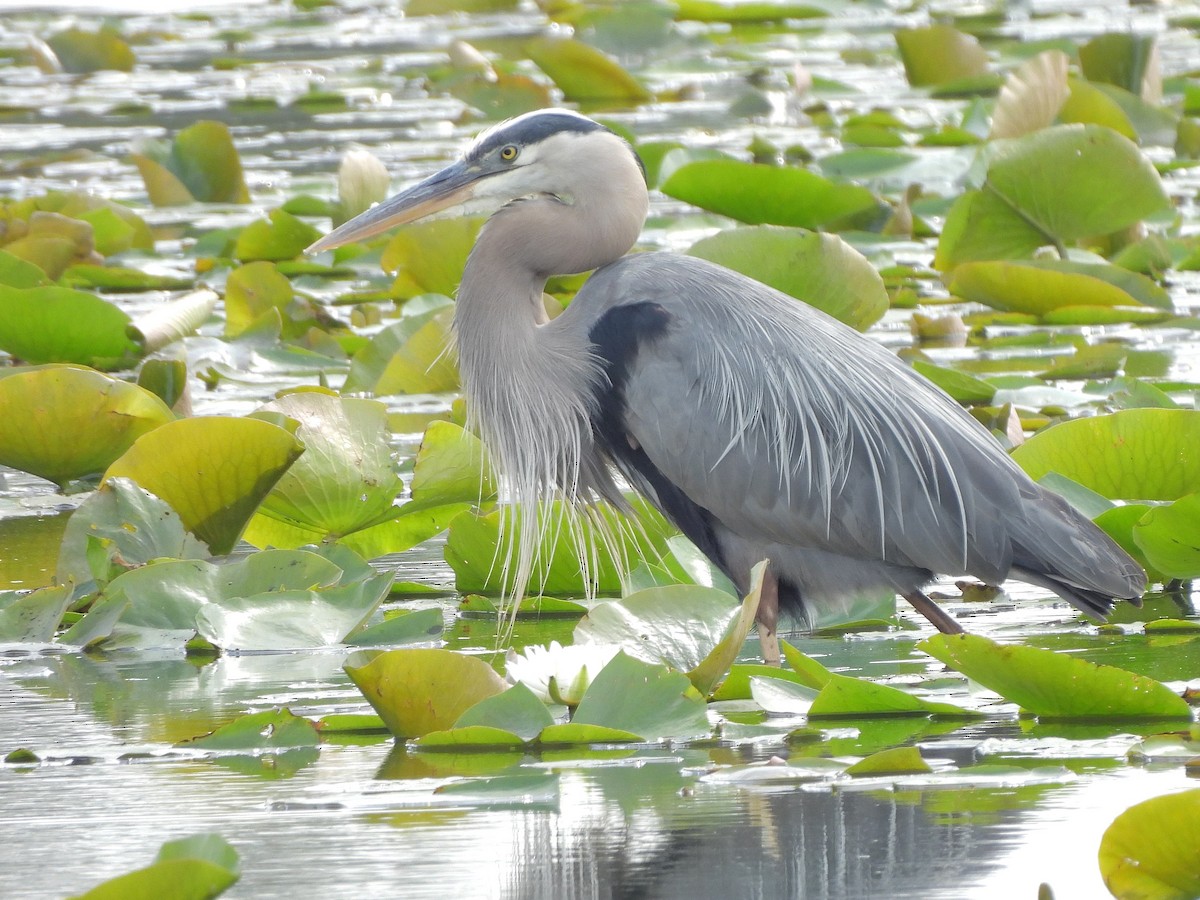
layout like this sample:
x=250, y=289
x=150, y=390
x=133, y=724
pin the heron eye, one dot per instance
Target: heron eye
x=508, y=153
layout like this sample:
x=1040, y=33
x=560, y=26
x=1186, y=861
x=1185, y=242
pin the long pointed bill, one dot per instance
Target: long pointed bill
x=452, y=186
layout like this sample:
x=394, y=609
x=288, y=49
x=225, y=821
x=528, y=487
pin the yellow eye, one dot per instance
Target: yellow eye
x=508, y=153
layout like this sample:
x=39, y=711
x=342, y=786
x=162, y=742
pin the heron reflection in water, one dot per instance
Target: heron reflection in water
x=758, y=425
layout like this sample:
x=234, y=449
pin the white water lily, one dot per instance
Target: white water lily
x=556, y=673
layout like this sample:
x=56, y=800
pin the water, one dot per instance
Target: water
x=362, y=818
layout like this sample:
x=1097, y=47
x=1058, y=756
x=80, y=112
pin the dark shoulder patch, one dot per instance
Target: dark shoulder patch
x=619, y=333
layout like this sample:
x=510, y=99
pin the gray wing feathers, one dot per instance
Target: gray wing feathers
x=792, y=430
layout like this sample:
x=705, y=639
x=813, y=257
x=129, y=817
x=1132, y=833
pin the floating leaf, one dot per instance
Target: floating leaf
x=1142, y=454
x=820, y=269
x=64, y=422
x=202, y=164
x=1169, y=536
x=417, y=627
x=1127, y=60
x=195, y=868
x=418, y=691
x=55, y=324
x=82, y=51
x=276, y=729
x=841, y=695
x=759, y=194
x=1152, y=850
x=584, y=73
x=1056, y=185
x=252, y=291
x=1039, y=286
x=938, y=54
x=214, y=471
x=893, y=761
x=962, y=387
x=516, y=712
x=32, y=617
x=747, y=11
x=1088, y=105
x=19, y=273
x=346, y=479
x=282, y=237
x=1053, y=685
x=650, y=701
x=429, y=257
x=410, y=357
x=451, y=467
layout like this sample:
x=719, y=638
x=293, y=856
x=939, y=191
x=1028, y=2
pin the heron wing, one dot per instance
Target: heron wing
x=791, y=429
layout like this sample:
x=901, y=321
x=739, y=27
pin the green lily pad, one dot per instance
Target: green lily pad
x=409, y=357
x=201, y=164
x=476, y=544
x=20, y=273
x=131, y=525
x=1088, y=104
x=893, y=761
x=451, y=467
x=962, y=387
x=1169, y=536
x=56, y=324
x=774, y=195
x=820, y=269
x=841, y=695
x=1143, y=454
x=276, y=729
x=195, y=868
x=428, y=257
x=82, y=51
x=1053, y=685
x=1120, y=58
x=508, y=719
x=32, y=617
x=1054, y=186
x=640, y=698
x=584, y=73
x=252, y=291
x=64, y=422
x=748, y=12
x=417, y=627
x=938, y=54
x=282, y=236
x=214, y=471
x=1039, y=286
x=345, y=481
x=418, y=691
x=1152, y=850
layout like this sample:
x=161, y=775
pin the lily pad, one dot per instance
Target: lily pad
x=276, y=729
x=775, y=195
x=1141, y=454
x=511, y=718
x=429, y=257
x=938, y=54
x=201, y=164
x=65, y=422
x=56, y=324
x=252, y=291
x=281, y=236
x=418, y=691
x=1053, y=685
x=82, y=51
x=32, y=617
x=820, y=269
x=1040, y=286
x=1169, y=536
x=196, y=868
x=409, y=357
x=1152, y=850
x=1054, y=186
x=643, y=699
x=214, y=471
x=346, y=479
x=451, y=467
x=584, y=73
x=893, y=761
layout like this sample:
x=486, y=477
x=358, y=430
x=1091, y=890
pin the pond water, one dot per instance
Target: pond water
x=1009, y=805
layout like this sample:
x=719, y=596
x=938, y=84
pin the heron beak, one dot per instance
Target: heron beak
x=452, y=186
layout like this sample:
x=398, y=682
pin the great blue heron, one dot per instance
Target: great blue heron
x=760, y=426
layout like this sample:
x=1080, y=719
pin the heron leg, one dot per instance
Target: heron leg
x=942, y=620
x=768, y=618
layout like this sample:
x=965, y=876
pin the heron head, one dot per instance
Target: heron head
x=552, y=154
